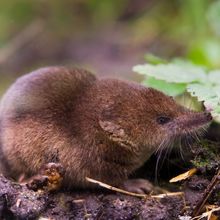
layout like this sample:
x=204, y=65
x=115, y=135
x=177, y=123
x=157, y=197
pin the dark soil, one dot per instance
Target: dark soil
x=21, y=202
x=18, y=202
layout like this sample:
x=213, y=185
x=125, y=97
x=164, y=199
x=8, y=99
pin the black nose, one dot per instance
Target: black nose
x=208, y=115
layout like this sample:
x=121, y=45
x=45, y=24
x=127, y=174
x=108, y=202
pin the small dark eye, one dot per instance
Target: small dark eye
x=163, y=120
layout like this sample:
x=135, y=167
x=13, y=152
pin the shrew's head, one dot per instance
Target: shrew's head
x=143, y=117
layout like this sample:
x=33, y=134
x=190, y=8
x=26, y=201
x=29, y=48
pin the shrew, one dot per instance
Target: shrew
x=99, y=128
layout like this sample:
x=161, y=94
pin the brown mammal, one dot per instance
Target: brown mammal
x=101, y=128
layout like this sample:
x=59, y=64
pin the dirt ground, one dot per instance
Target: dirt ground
x=20, y=202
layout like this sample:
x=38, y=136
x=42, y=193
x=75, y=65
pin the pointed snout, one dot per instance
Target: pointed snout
x=193, y=120
x=208, y=115
x=198, y=119
x=201, y=117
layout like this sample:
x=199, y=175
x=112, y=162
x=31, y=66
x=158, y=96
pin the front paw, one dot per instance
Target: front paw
x=140, y=186
x=49, y=178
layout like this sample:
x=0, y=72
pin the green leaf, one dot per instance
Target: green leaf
x=201, y=91
x=208, y=94
x=172, y=89
x=214, y=77
x=172, y=72
x=217, y=110
x=179, y=76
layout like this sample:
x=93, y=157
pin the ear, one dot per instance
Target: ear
x=108, y=121
x=112, y=128
x=115, y=132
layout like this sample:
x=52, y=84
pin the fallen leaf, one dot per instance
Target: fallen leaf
x=183, y=176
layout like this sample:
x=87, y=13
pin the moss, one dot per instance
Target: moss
x=207, y=154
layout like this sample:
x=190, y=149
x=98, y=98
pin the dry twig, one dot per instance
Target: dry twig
x=207, y=193
x=144, y=196
x=207, y=214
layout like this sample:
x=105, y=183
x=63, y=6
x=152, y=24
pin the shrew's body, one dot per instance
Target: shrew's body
x=100, y=128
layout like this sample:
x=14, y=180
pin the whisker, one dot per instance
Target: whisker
x=159, y=153
x=160, y=146
x=180, y=148
x=164, y=150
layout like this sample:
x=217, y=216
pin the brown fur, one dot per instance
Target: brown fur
x=100, y=128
